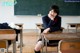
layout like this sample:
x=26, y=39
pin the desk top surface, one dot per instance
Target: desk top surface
x=39, y=25
x=7, y=36
x=61, y=36
x=73, y=23
x=19, y=24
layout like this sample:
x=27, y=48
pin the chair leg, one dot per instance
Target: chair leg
x=42, y=50
x=7, y=45
x=58, y=48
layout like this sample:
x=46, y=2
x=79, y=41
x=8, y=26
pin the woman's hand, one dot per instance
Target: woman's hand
x=46, y=30
x=51, y=17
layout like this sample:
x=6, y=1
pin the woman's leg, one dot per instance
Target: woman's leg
x=38, y=46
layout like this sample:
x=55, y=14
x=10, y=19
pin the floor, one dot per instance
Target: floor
x=29, y=40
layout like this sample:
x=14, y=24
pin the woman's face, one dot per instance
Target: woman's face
x=52, y=13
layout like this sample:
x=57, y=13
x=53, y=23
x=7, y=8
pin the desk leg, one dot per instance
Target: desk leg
x=68, y=27
x=14, y=46
x=7, y=45
x=42, y=40
x=21, y=43
x=59, y=46
x=46, y=45
x=22, y=37
x=37, y=32
x=76, y=27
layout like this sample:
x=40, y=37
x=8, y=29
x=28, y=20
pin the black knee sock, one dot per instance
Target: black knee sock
x=37, y=51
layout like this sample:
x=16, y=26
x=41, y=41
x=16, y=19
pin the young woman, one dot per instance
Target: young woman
x=51, y=23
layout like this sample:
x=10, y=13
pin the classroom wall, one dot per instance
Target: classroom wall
x=7, y=15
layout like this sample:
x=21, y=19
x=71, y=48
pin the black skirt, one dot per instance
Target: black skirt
x=51, y=42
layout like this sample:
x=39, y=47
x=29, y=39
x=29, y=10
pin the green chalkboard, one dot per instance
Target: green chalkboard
x=36, y=7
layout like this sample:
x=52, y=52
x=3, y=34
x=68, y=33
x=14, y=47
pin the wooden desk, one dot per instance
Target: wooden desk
x=7, y=37
x=76, y=25
x=59, y=36
x=39, y=27
x=21, y=35
x=69, y=46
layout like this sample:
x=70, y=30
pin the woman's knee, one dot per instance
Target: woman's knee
x=38, y=46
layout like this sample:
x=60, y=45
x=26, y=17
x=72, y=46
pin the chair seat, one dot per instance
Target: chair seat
x=52, y=44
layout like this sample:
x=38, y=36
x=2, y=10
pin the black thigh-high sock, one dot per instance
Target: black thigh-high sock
x=37, y=52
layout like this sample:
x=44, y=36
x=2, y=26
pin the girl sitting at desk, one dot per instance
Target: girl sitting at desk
x=51, y=23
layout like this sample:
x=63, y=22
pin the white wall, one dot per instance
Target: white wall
x=7, y=15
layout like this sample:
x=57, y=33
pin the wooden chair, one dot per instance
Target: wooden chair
x=69, y=46
x=5, y=31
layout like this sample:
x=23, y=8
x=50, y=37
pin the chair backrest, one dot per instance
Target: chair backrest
x=5, y=31
x=69, y=47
